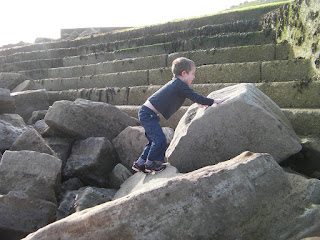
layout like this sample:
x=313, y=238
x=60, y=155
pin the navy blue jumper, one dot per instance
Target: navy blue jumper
x=167, y=100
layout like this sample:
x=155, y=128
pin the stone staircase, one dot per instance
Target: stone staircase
x=124, y=68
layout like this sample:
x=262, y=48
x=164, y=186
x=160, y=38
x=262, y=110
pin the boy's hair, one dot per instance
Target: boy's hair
x=181, y=64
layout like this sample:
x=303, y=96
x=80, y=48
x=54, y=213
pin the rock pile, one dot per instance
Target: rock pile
x=76, y=155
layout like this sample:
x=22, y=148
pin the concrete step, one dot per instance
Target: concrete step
x=293, y=94
x=210, y=30
x=33, y=64
x=137, y=48
x=254, y=72
x=250, y=53
x=304, y=121
x=173, y=26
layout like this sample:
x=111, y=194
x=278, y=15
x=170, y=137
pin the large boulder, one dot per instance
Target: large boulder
x=36, y=174
x=29, y=101
x=119, y=175
x=91, y=160
x=86, y=197
x=130, y=143
x=10, y=80
x=11, y=127
x=6, y=102
x=33, y=141
x=83, y=118
x=22, y=214
x=248, y=197
x=249, y=120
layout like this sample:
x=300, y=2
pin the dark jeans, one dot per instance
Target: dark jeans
x=156, y=148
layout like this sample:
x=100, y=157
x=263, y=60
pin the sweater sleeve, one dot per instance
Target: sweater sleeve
x=189, y=93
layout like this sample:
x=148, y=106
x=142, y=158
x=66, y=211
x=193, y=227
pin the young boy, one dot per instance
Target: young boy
x=166, y=101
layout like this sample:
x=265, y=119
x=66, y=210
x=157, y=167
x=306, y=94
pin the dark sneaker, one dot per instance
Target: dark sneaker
x=153, y=167
x=138, y=168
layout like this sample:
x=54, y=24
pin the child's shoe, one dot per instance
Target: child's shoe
x=151, y=166
x=137, y=168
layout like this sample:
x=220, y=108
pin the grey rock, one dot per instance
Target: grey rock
x=6, y=102
x=33, y=141
x=36, y=174
x=86, y=197
x=130, y=143
x=247, y=197
x=69, y=185
x=83, y=118
x=36, y=116
x=43, y=129
x=29, y=101
x=61, y=146
x=21, y=213
x=119, y=175
x=24, y=86
x=249, y=120
x=11, y=127
x=11, y=80
x=91, y=160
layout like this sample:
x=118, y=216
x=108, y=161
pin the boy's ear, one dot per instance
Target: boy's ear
x=183, y=73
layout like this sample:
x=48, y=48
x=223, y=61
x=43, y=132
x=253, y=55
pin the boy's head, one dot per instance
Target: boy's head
x=184, y=69
x=182, y=64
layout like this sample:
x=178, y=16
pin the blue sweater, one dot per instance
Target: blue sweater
x=168, y=99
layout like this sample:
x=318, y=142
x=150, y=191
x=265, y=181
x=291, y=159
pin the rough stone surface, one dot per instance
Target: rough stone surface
x=203, y=205
x=23, y=214
x=118, y=175
x=69, y=185
x=130, y=143
x=6, y=102
x=33, y=141
x=29, y=101
x=82, y=119
x=249, y=120
x=11, y=126
x=86, y=197
x=36, y=116
x=36, y=174
x=10, y=80
x=61, y=146
x=91, y=160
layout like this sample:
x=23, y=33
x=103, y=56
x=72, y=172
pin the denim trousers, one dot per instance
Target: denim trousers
x=156, y=148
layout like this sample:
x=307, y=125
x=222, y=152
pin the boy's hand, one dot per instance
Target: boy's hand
x=220, y=100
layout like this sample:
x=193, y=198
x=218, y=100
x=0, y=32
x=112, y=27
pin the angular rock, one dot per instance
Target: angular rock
x=22, y=214
x=91, y=160
x=61, y=146
x=6, y=102
x=248, y=197
x=31, y=140
x=11, y=127
x=36, y=116
x=119, y=175
x=70, y=185
x=130, y=143
x=29, y=101
x=83, y=118
x=36, y=174
x=43, y=129
x=86, y=197
x=10, y=80
x=249, y=120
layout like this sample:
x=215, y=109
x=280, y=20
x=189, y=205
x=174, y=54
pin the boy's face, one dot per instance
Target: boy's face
x=188, y=77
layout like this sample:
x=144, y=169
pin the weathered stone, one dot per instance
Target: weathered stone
x=31, y=140
x=29, y=101
x=44, y=129
x=248, y=197
x=22, y=214
x=36, y=116
x=82, y=119
x=11, y=126
x=249, y=120
x=69, y=185
x=130, y=143
x=61, y=146
x=10, y=80
x=86, y=197
x=36, y=174
x=91, y=160
x=118, y=175
x=6, y=102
